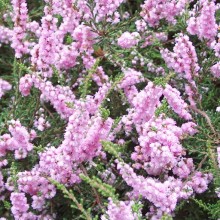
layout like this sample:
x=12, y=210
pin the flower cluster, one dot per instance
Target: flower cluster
x=131, y=77
x=4, y=87
x=107, y=8
x=183, y=59
x=57, y=163
x=20, y=18
x=138, y=114
x=44, y=53
x=215, y=70
x=20, y=206
x=202, y=21
x=128, y=40
x=59, y=96
x=123, y=102
x=163, y=195
x=154, y=11
x=81, y=139
x=122, y=210
x=38, y=187
x=5, y=35
x=160, y=150
x=18, y=141
x=40, y=122
x=176, y=102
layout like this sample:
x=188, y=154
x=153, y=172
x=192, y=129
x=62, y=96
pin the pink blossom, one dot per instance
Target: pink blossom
x=122, y=210
x=183, y=60
x=154, y=11
x=128, y=40
x=215, y=70
x=4, y=87
x=202, y=21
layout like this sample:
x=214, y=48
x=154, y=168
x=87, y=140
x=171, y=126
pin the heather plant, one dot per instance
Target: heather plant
x=109, y=109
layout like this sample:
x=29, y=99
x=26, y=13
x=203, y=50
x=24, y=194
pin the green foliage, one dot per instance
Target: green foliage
x=92, y=192
x=166, y=217
x=76, y=204
x=104, y=113
x=162, y=81
x=4, y=4
x=7, y=205
x=104, y=189
x=136, y=208
x=164, y=108
x=112, y=149
x=84, y=88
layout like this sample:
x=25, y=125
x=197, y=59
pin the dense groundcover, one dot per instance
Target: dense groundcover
x=109, y=109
